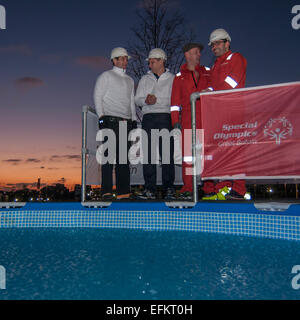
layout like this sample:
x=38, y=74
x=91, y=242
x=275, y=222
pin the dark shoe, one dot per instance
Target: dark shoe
x=146, y=195
x=170, y=194
x=186, y=196
x=233, y=195
x=107, y=196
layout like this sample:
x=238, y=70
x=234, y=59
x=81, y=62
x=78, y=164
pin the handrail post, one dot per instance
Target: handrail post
x=84, y=153
x=188, y=204
x=193, y=98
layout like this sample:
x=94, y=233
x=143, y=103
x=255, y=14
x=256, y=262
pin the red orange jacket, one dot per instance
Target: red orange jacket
x=228, y=72
x=183, y=86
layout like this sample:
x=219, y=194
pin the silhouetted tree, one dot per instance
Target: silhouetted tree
x=159, y=26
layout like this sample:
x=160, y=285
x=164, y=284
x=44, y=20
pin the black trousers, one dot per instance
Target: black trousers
x=158, y=121
x=122, y=171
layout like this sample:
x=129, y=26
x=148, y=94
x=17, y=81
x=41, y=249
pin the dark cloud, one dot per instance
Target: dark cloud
x=28, y=82
x=55, y=157
x=33, y=160
x=94, y=62
x=65, y=157
x=13, y=161
x=22, y=161
x=73, y=157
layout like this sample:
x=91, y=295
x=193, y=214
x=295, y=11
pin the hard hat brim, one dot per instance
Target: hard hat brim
x=129, y=57
x=147, y=59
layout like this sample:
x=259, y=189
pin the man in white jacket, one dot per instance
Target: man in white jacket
x=114, y=102
x=154, y=96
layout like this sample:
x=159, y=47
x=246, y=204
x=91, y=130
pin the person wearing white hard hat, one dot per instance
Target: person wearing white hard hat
x=217, y=35
x=229, y=69
x=119, y=52
x=227, y=73
x=153, y=95
x=115, y=107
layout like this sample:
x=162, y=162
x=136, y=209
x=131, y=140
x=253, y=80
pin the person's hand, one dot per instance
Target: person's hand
x=151, y=99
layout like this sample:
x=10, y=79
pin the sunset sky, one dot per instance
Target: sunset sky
x=53, y=50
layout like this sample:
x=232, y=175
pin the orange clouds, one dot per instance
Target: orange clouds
x=50, y=169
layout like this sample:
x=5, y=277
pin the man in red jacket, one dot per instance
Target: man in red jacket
x=191, y=78
x=228, y=72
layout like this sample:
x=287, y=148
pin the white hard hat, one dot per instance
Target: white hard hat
x=119, y=52
x=157, y=53
x=219, y=34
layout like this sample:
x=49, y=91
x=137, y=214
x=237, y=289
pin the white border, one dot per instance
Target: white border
x=251, y=88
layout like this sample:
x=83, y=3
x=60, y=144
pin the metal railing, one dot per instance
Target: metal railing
x=195, y=170
x=85, y=152
x=193, y=98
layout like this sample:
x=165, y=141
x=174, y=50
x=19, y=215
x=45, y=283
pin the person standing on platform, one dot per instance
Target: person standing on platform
x=114, y=102
x=191, y=78
x=227, y=73
x=153, y=94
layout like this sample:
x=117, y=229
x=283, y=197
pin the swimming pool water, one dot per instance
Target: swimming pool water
x=116, y=264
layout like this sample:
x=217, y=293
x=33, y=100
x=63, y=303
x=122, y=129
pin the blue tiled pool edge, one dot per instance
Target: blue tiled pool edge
x=226, y=218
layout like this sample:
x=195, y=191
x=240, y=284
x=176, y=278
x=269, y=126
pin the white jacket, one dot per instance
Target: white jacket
x=114, y=94
x=161, y=88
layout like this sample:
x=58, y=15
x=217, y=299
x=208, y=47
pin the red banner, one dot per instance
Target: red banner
x=252, y=133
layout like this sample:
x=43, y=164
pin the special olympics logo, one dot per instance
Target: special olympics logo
x=278, y=129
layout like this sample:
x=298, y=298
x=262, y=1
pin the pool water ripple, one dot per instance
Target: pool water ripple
x=118, y=264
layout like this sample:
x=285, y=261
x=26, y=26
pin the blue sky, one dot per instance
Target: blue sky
x=52, y=52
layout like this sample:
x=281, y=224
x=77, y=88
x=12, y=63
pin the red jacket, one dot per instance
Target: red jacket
x=228, y=72
x=183, y=86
